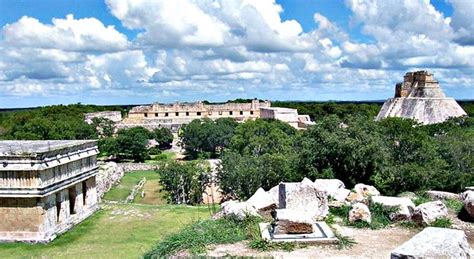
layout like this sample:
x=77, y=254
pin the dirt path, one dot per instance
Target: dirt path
x=370, y=243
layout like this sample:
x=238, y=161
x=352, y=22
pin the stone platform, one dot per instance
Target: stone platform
x=322, y=235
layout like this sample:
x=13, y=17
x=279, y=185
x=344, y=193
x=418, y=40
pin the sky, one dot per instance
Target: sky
x=137, y=51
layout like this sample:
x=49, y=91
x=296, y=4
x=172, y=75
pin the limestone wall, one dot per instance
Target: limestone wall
x=127, y=167
x=110, y=173
x=114, y=116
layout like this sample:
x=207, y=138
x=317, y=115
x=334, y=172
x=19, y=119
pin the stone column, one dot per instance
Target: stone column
x=62, y=205
x=91, y=194
x=79, y=204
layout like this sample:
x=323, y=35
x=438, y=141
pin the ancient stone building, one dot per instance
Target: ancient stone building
x=46, y=187
x=172, y=116
x=287, y=115
x=114, y=116
x=421, y=98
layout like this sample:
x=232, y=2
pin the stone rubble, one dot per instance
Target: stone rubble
x=440, y=195
x=429, y=212
x=405, y=206
x=435, y=243
x=468, y=200
x=366, y=190
x=360, y=211
x=290, y=221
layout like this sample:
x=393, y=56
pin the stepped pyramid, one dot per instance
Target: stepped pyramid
x=421, y=98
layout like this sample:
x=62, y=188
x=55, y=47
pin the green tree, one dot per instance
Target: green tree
x=164, y=137
x=184, y=183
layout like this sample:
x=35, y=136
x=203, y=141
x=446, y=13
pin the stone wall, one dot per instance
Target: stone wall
x=110, y=173
x=127, y=167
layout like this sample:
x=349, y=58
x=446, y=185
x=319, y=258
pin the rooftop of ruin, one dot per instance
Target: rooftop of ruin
x=28, y=148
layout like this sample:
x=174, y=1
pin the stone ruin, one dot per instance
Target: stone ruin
x=421, y=98
x=46, y=187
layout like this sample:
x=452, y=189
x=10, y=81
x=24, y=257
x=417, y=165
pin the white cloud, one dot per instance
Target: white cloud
x=88, y=34
x=462, y=21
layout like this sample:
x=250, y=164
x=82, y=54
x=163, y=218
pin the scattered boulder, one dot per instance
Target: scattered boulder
x=360, y=211
x=430, y=211
x=366, y=190
x=435, y=243
x=440, y=195
x=405, y=206
x=273, y=192
x=303, y=197
x=341, y=194
x=262, y=201
x=409, y=195
x=293, y=222
x=238, y=209
x=468, y=198
x=331, y=186
x=355, y=197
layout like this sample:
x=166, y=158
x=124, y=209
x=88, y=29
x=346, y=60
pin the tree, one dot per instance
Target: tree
x=105, y=127
x=184, y=183
x=128, y=144
x=164, y=137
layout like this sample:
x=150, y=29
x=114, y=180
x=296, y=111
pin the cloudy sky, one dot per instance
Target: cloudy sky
x=138, y=51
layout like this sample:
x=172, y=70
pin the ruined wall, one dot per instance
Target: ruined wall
x=110, y=173
x=20, y=215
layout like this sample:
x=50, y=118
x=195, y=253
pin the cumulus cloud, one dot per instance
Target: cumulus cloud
x=88, y=34
x=226, y=48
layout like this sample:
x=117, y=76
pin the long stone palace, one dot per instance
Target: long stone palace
x=46, y=187
x=173, y=116
x=420, y=97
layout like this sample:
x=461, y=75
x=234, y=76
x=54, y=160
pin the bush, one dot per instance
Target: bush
x=442, y=223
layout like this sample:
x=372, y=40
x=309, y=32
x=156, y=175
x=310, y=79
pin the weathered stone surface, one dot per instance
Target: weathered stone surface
x=303, y=197
x=430, y=211
x=440, y=195
x=360, y=211
x=355, y=197
x=238, y=209
x=409, y=195
x=341, y=194
x=262, y=201
x=331, y=186
x=109, y=174
x=468, y=198
x=366, y=190
x=405, y=206
x=420, y=98
x=293, y=222
x=435, y=243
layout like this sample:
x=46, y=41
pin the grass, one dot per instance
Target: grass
x=161, y=158
x=442, y=223
x=195, y=237
x=117, y=231
x=454, y=205
x=129, y=180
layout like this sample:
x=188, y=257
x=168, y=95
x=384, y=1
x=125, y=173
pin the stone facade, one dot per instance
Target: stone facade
x=421, y=98
x=173, y=116
x=114, y=116
x=46, y=187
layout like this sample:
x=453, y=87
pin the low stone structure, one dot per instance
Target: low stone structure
x=110, y=173
x=420, y=97
x=114, y=116
x=46, y=187
x=287, y=115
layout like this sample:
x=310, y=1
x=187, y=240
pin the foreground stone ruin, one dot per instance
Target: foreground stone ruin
x=435, y=243
x=421, y=98
x=46, y=187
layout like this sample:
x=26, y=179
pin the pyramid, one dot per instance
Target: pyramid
x=421, y=98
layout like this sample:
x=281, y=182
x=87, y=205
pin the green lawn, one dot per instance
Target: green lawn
x=130, y=179
x=117, y=230
x=162, y=158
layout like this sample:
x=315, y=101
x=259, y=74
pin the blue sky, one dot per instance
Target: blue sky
x=121, y=52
